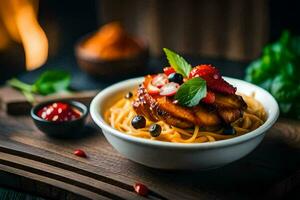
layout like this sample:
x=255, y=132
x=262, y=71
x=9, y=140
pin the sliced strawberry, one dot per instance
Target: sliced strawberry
x=220, y=85
x=210, y=98
x=169, y=70
x=152, y=89
x=204, y=70
x=159, y=80
x=213, y=79
x=169, y=89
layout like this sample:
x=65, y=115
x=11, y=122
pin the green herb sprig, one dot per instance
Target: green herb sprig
x=178, y=63
x=278, y=71
x=192, y=91
x=49, y=82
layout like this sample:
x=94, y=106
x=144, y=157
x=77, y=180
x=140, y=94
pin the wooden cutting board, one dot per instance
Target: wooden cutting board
x=38, y=164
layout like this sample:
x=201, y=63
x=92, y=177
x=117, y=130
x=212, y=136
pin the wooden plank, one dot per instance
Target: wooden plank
x=67, y=176
x=35, y=187
x=56, y=161
x=247, y=178
x=50, y=181
x=103, y=159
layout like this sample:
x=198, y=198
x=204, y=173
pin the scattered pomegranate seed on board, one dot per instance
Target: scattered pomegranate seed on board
x=80, y=153
x=141, y=189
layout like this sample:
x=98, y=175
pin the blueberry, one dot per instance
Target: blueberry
x=229, y=130
x=128, y=95
x=138, y=121
x=155, y=130
x=176, y=78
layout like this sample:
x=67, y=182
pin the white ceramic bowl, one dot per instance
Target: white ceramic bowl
x=167, y=155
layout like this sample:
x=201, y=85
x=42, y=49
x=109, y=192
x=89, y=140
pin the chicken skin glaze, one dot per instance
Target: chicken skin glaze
x=226, y=109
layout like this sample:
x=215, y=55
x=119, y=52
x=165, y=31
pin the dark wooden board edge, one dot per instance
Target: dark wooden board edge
x=81, y=169
x=11, y=180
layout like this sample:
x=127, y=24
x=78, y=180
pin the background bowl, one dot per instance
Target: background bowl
x=167, y=155
x=66, y=129
x=98, y=67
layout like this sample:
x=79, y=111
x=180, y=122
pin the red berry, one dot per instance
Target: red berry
x=210, y=98
x=169, y=70
x=213, y=79
x=58, y=111
x=204, y=70
x=80, y=153
x=141, y=189
x=220, y=85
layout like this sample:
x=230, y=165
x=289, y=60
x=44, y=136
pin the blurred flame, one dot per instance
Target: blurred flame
x=20, y=21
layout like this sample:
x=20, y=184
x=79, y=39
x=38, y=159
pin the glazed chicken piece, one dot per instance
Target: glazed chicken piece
x=229, y=101
x=230, y=107
x=226, y=109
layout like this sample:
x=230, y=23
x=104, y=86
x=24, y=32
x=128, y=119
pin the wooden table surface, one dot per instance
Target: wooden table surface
x=34, y=163
x=47, y=162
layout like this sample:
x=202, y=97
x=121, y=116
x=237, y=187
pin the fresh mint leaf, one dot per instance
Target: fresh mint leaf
x=49, y=82
x=52, y=81
x=191, y=92
x=178, y=63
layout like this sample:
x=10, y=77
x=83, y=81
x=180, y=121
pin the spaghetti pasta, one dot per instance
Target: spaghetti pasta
x=120, y=114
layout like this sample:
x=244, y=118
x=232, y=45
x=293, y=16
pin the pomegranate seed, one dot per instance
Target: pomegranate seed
x=141, y=189
x=58, y=112
x=80, y=153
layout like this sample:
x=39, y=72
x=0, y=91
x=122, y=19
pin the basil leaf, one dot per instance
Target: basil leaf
x=284, y=90
x=178, y=63
x=52, y=81
x=278, y=71
x=191, y=92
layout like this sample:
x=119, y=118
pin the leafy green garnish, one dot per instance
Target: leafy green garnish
x=278, y=71
x=178, y=63
x=49, y=82
x=191, y=92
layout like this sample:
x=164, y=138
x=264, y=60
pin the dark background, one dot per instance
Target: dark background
x=66, y=21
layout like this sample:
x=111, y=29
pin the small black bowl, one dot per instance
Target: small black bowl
x=66, y=129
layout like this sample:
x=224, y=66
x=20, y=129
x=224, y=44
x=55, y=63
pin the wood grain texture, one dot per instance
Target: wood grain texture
x=27, y=152
x=13, y=102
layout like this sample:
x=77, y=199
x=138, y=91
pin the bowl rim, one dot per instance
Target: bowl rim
x=83, y=109
x=99, y=120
